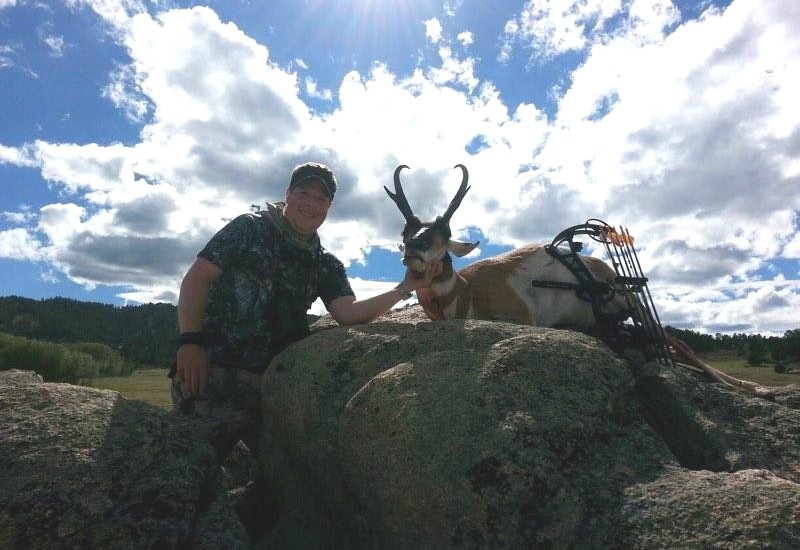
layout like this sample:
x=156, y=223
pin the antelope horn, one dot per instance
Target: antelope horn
x=399, y=198
x=462, y=190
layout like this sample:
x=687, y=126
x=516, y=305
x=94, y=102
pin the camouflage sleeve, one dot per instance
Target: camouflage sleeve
x=333, y=280
x=231, y=243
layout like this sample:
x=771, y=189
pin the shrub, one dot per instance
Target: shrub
x=108, y=360
x=61, y=362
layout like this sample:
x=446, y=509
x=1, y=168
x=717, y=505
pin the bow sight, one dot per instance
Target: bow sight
x=645, y=330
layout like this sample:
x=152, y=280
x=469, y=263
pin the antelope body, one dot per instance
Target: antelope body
x=499, y=288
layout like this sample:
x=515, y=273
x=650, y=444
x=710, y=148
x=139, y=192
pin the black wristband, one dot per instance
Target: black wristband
x=191, y=338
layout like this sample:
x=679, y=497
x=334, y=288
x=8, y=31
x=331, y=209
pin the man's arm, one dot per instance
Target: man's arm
x=349, y=311
x=192, y=361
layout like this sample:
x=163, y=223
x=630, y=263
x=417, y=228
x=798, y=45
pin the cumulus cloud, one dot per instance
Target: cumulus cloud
x=433, y=30
x=792, y=248
x=767, y=307
x=664, y=126
x=313, y=90
x=18, y=156
x=21, y=217
x=124, y=92
x=553, y=28
x=20, y=244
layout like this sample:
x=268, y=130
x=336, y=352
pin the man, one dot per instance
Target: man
x=245, y=299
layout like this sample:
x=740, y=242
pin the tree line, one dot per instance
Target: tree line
x=142, y=335
x=757, y=349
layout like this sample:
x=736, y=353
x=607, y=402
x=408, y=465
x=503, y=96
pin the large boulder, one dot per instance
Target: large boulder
x=702, y=509
x=86, y=468
x=473, y=434
x=410, y=434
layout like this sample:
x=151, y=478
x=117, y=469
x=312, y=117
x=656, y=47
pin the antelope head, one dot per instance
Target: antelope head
x=424, y=242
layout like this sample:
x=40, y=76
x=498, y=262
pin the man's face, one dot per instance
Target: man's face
x=307, y=206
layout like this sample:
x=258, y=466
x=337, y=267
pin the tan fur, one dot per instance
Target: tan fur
x=499, y=289
x=490, y=294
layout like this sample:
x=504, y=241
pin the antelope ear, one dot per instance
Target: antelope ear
x=460, y=248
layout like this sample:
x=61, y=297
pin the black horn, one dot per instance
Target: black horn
x=462, y=190
x=399, y=198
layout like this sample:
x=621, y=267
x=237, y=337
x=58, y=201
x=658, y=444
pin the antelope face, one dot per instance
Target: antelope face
x=424, y=245
x=429, y=241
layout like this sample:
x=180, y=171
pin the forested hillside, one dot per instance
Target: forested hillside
x=143, y=334
x=757, y=349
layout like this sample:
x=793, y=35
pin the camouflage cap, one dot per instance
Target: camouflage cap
x=314, y=170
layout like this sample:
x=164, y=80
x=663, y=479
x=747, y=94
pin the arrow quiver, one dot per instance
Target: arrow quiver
x=645, y=331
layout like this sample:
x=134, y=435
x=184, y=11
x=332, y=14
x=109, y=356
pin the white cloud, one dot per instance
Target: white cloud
x=766, y=307
x=17, y=156
x=433, y=30
x=124, y=92
x=150, y=294
x=452, y=6
x=313, y=91
x=363, y=289
x=669, y=131
x=56, y=44
x=18, y=218
x=60, y=222
x=552, y=28
x=647, y=20
x=792, y=248
x=7, y=4
x=115, y=12
x=9, y=53
x=88, y=168
x=19, y=244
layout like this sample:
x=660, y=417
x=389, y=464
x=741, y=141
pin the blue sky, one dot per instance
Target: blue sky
x=130, y=131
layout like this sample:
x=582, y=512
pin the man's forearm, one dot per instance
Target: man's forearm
x=364, y=311
x=194, y=294
x=191, y=305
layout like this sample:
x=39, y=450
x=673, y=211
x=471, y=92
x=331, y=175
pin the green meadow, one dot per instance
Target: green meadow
x=149, y=385
x=765, y=375
x=152, y=385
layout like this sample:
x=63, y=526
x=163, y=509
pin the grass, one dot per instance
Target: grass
x=766, y=376
x=149, y=385
x=152, y=385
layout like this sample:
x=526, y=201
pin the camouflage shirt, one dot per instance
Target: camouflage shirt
x=258, y=305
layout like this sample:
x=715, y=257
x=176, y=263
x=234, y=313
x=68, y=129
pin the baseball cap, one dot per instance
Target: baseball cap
x=314, y=171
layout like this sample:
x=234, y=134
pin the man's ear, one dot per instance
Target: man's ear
x=460, y=248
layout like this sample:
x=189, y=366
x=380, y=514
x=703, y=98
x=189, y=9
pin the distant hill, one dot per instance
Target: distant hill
x=143, y=334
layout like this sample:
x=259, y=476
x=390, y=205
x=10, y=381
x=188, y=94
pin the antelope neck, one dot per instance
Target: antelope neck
x=447, y=269
x=458, y=287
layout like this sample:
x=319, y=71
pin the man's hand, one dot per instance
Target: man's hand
x=415, y=280
x=192, y=369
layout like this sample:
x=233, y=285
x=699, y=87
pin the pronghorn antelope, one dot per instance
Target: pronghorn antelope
x=499, y=288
